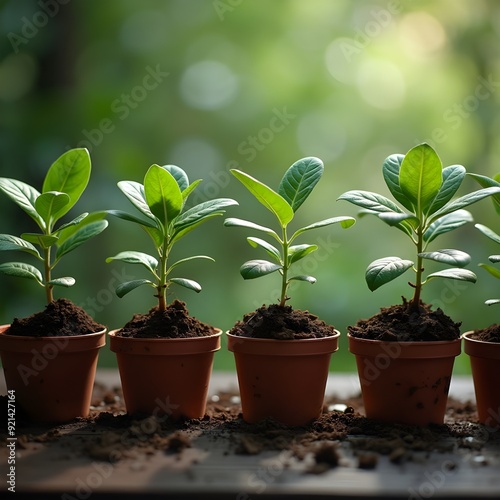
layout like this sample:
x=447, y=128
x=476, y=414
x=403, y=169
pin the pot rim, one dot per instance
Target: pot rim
x=480, y=348
x=412, y=349
x=275, y=347
x=50, y=337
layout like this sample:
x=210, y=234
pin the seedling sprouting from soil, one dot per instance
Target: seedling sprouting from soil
x=64, y=183
x=161, y=201
x=425, y=189
x=295, y=186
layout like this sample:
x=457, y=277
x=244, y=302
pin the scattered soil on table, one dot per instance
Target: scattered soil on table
x=341, y=436
x=59, y=318
x=174, y=322
x=490, y=334
x=399, y=324
x=281, y=323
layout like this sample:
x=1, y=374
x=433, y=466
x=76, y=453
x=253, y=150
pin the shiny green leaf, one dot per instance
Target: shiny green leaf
x=123, y=288
x=9, y=242
x=190, y=284
x=390, y=171
x=81, y=236
x=24, y=196
x=455, y=274
x=452, y=179
x=381, y=271
x=66, y=282
x=257, y=268
x=270, y=249
x=447, y=223
x=50, y=203
x=21, y=270
x=297, y=252
x=132, y=257
x=448, y=256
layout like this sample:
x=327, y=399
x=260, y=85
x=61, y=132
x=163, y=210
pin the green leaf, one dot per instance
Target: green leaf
x=71, y=223
x=21, y=270
x=187, y=259
x=155, y=234
x=50, y=203
x=234, y=222
x=489, y=233
x=297, y=252
x=421, y=176
x=124, y=288
x=66, y=282
x=381, y=271
x=202, y=211
x=299, y=180
x=81, y=236
x=9, y=242
x=447, y=223
x=390, y=171
x=120, y=214
x=448, y=256
x=465, y=201
x=492, y=270
x=452, y=179
x=455, y=274
x=488, y=182
x=179, y=175
x=134, y=191
x=69, y=174
x=267, y=197
x=132, y=257
x=67, y=230
x=345, y=222
x=190, y=189
x=371, y=201
x=40, y=239
x=163, y=195
x=24, y=196
x=303, y=277
x=394, y=219
x=270, y=249
x=490, y=302
x=191, y=284
x=257, y=268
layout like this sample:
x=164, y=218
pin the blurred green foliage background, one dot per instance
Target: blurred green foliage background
x=211, y=85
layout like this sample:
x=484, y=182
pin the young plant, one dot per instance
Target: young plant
x=64, y=183
x=295, y=186
x=488, y=182
x=161, y=200
x=425, y=189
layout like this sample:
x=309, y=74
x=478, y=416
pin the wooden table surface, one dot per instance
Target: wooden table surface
x=54, y=472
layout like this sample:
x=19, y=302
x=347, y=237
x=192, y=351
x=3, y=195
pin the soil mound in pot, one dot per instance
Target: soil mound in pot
x=59, y=318
x=281, y=323
x=490, y=334
x=399, y=324
x=174, y=322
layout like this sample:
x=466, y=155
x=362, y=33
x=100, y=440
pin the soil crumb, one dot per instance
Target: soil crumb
x=59, y=318
x=281, y=323
x=399, y=324
x=174, y=322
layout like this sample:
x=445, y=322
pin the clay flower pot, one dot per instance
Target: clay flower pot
x=52, y=377
x=405, y=382
x=485, y=365
x=165, y=376
x=282, y=379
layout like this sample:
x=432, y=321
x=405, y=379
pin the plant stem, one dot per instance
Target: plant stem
x=415, y=301
x=47, y=269
x=162, y=284
x=284, y=280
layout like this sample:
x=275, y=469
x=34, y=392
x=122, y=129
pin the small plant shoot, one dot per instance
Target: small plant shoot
x=64, y=183
x=294, y=188
x=161, y=200
x=494, y=259
x=425, y=190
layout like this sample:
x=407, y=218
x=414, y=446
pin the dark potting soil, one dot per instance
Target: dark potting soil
x=490, y=334
x=341, y=436
x=398, y=323
x=174, y=322
x=281, y=323
x=59, y=318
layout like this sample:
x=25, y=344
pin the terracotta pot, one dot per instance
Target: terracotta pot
x=485, y=365
x=405, y=382
x=52, y=377
x=282, y=379
x=165, y=376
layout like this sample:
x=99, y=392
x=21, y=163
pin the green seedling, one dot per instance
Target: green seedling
x=295, y=186
x=494, y=259
x=425, y=189
x=161, y=201
x=64, y=183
